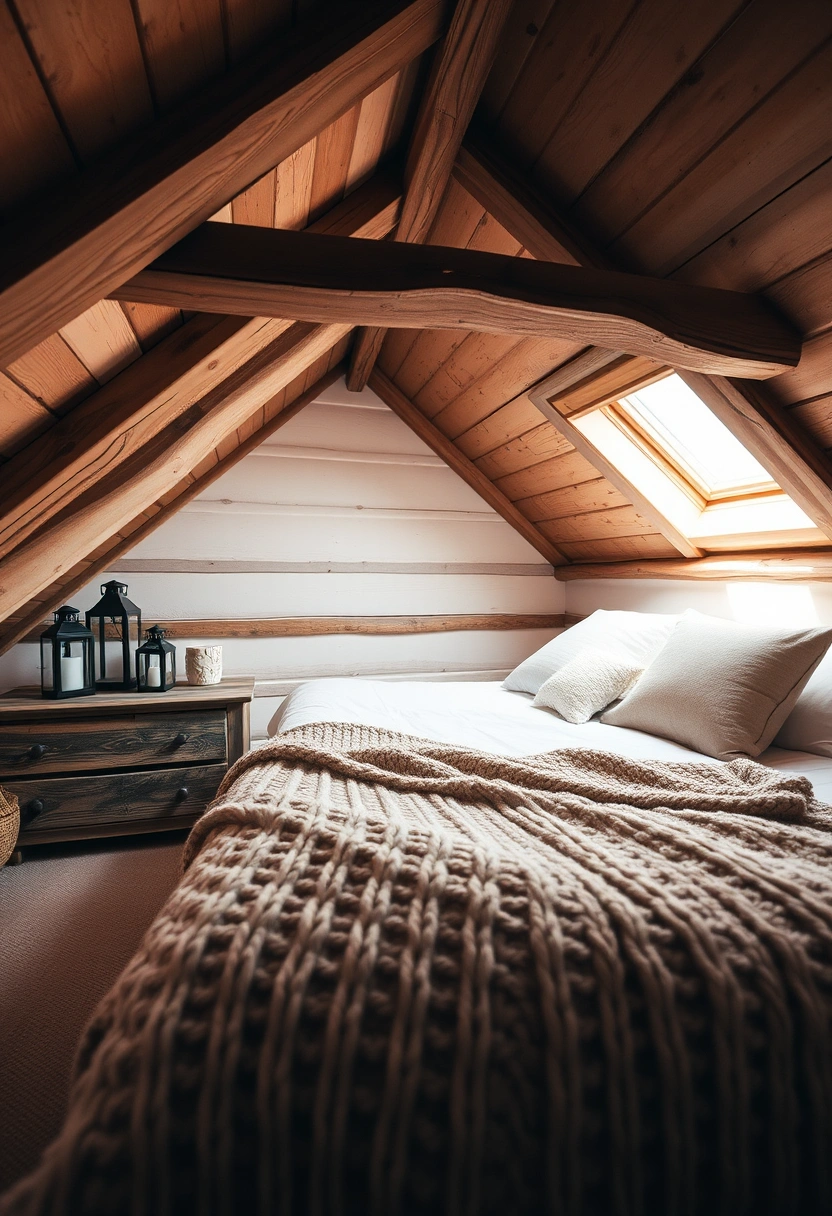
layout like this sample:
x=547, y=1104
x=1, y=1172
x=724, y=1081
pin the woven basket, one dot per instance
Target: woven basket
x=9, y=824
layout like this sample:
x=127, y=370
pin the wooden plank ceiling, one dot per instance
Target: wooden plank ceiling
x=689, y=142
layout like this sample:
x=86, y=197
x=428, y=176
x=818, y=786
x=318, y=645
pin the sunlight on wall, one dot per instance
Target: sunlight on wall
x=772, y=604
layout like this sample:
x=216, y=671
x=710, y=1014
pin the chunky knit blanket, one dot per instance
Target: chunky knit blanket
x=400, y=977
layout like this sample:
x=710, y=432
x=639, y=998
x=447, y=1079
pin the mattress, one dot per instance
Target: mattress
x=488, y=717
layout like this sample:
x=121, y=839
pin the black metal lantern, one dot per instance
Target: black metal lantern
x=155, y=662
x=116, y=623
x=66, y=657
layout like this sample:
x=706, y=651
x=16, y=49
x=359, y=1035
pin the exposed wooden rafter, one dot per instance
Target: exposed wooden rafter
x=116, y=217
x=442, y=446
x=457, y=80
x=113, y=424
x=261, y=271
x=31, y=621
x=136, y=484
x=792, y=458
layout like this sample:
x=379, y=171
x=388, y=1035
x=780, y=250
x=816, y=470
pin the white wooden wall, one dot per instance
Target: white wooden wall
x=343, y=512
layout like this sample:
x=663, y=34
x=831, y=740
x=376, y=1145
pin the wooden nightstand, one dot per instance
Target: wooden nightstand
x=119, y=763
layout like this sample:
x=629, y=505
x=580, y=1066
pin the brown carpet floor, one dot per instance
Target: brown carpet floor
x=70, y=918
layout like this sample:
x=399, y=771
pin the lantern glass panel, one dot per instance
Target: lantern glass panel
x=155, y=662
x=117, y=625
x=66, y=651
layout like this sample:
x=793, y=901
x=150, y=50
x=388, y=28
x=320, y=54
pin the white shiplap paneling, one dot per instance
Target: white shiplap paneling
x=345, y=482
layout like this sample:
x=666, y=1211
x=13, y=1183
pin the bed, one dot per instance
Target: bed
x=437, y=951
x=486, y=716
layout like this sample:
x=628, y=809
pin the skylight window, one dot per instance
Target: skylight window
x=670, y=416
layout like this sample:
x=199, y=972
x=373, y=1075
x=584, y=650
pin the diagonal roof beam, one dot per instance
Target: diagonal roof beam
x=33, y=617
x=792, y=458
x=458, y=77
x=119, y=215
x=233, y=269
x=116, y=500
x=115, y=422
x=430, y=434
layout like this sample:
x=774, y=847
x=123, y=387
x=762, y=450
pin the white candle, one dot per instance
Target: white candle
x=154, y=677
x=72, y=673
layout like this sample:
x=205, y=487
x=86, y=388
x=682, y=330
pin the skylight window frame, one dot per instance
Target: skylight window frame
x=658, y=446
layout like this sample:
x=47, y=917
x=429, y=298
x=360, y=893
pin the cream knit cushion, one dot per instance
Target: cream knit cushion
x=722, y=688
x=635, y=637
x=588, y=683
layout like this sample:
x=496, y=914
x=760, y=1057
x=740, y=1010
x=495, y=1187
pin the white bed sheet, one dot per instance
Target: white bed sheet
x=488, y=717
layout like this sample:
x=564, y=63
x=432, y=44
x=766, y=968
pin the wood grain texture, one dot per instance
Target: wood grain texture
x=309, y=626
x=191, y=162
x=33, y=148
x=230, y=269
x=22, y=418
x=90, y=55
x=519, y=207
x=457, y=78
x=779, y=443
x=782, y=565
x=277, y=412
x=112, y=425
x=115, y=501
x=165, y=798
x=53, y=374
x=798, y=464
x=613, y=475
x=468, y=471
x=111, y=743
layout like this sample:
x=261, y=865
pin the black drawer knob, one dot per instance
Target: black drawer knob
x=37, y=750
x=182, y=793
x=180, y=739
x=35, y=807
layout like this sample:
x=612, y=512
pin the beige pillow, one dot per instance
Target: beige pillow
x=722, y=688
x=589, y=682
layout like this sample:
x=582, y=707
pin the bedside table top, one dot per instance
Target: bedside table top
x=28, y=702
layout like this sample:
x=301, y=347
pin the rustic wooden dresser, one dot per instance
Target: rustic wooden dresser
x=119, y=763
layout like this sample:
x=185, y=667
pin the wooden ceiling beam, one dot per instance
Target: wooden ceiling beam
x=265, y=272
x=116, y=421
x=782, y=565
x=29, y=624
x=784, y=449
x=431, y=435
x=114, y=501
x=58, y=260
x=459, y=74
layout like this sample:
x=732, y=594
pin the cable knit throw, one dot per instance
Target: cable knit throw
x=400, y=977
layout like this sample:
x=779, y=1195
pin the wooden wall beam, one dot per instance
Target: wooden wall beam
x=433, y=437
x=784, y=449
x=59, y=260
x=321, y=626
x=116, y=500
x=782, y=565
x=112, y=424
x=32, y=619
x=457, y=79
x=266, y=272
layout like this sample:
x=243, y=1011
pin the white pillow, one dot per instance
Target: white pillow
x=722, y=688
x=808, y=727
x=636, y=637
x=586, y=684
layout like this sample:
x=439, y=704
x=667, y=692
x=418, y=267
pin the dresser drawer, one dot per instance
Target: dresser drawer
x=155, y=798
x=31, y=748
